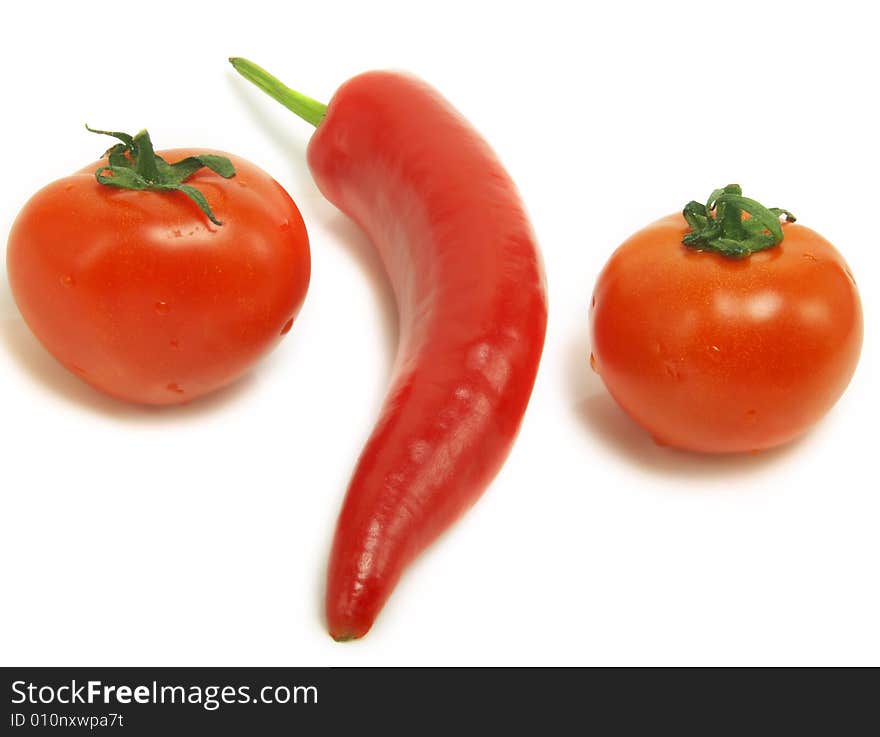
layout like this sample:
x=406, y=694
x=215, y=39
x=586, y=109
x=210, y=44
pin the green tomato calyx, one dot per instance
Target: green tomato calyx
x=719, y=225
x=132, y=164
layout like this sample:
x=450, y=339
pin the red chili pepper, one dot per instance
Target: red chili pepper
x=461, y=256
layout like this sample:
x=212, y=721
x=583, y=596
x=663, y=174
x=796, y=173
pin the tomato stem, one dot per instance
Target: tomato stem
x=308, y=109
x=133, y=164
x=719, y=225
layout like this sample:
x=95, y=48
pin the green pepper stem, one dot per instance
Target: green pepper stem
x=308, y=109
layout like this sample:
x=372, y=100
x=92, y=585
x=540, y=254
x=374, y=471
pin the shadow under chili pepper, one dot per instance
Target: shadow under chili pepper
x=39, y=364
x=610, y=425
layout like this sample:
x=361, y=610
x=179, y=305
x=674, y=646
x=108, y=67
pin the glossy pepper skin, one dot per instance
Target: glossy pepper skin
x=470, y=288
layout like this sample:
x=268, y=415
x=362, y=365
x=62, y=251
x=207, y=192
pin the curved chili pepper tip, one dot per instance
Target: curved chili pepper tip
x=345, y=637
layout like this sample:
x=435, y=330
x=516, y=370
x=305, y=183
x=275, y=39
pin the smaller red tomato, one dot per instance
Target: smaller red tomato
x=131, y=281
x=737, y=343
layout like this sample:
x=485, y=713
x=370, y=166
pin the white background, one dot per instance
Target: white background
x=198, y=536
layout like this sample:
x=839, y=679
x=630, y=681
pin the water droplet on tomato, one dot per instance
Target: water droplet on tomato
x=67, y=280
x=287, y=326
x=162, y=308
x=285, y=225
x=593, y=363
x=174, y=387
x=809, y=256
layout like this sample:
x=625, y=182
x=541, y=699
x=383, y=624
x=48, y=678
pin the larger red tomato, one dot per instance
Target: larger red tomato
x=718, y=354
x=142, y=296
